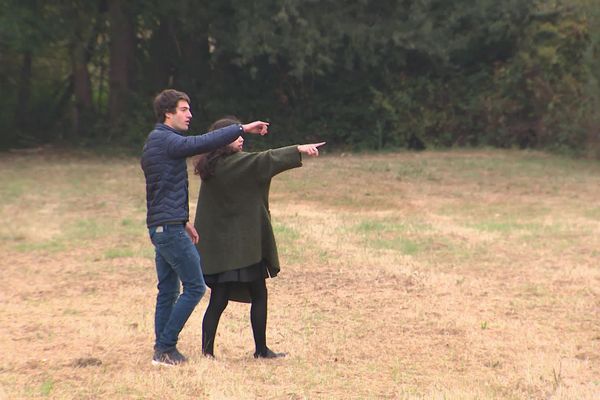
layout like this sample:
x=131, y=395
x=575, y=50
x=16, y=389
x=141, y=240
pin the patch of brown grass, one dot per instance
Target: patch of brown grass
x=443, y=275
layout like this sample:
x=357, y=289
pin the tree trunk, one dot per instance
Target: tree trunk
x=24, y=93
x=122, y=47
x=82, y=88
x=163, y=55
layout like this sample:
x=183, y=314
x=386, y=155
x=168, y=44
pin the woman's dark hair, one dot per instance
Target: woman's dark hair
x=166, y=102
x=204, y=164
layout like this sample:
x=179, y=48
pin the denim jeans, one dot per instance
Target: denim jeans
x=177, y=260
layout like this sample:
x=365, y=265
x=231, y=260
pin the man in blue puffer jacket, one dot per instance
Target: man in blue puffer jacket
x=177, y=260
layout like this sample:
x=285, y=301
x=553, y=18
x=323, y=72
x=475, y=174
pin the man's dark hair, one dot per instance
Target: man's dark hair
x=166, y=102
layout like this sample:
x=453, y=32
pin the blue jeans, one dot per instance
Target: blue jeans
x=177, y=260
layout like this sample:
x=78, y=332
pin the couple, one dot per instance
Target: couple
x=236, y=241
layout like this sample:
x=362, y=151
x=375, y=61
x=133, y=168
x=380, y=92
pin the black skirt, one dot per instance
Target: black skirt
x=237, y=280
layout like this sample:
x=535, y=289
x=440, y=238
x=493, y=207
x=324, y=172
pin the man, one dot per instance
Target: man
x=165, y=168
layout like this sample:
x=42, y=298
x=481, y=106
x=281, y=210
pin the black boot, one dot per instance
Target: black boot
x=268, y=353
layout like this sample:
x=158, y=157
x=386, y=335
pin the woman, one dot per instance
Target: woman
x=237, y=244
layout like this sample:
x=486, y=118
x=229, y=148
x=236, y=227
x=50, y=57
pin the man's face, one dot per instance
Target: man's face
x=180, y=119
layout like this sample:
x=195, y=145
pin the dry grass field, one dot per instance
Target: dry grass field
x=438, y=275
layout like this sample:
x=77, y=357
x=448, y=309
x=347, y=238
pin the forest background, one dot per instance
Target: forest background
x=363, y=74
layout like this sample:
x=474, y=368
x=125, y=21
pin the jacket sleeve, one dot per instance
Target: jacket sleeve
x=187, y=146
x=272, y=162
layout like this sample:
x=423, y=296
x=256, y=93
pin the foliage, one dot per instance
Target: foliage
x=528, y=98
x=360, y=74
x=542, y=88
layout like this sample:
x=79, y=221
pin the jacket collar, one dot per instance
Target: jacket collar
x=161, y=126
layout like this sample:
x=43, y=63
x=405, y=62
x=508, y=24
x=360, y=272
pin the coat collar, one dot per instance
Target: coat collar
x=161, y=126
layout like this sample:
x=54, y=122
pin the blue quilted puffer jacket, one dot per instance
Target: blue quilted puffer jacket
x=164, y=164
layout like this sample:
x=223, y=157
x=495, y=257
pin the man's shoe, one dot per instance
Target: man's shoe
x=168, y=358
x=268, y=353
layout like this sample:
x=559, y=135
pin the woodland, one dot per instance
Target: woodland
x=362, y=75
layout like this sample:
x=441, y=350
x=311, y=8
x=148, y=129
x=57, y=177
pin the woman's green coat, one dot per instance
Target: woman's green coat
x=232, y=215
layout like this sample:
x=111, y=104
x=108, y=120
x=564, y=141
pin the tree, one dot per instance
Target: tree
x=122, y=52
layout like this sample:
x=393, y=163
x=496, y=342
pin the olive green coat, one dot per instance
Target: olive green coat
x=232, y=216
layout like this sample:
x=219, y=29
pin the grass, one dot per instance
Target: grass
x=434, y=275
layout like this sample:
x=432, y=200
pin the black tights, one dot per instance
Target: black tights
x=219, y=297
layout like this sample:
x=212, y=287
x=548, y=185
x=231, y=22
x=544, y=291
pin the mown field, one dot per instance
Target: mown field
x=437, y=275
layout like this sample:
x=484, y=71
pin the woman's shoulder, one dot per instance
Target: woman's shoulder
x=238, y=156
x=257, y=158
x=238, y=160
x=242, y=156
